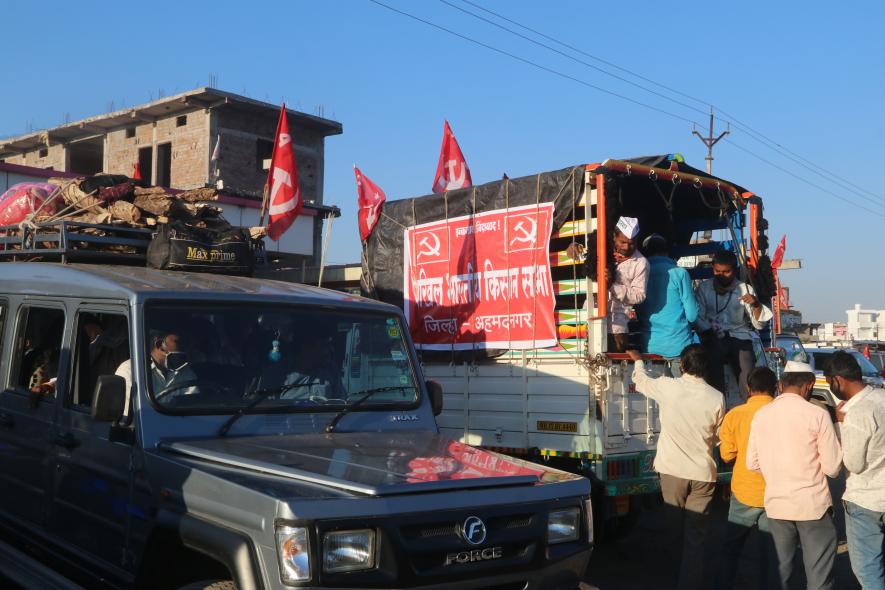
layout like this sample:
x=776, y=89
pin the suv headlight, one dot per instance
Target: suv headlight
x=564, y=526
x=294, y=553
x=347, y=551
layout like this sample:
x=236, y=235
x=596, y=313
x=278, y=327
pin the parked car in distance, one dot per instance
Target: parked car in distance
x=818, y=359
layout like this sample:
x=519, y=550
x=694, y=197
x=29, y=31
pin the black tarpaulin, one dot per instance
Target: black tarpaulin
x=383, y=260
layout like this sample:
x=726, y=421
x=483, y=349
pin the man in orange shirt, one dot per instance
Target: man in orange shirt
x=747, y=509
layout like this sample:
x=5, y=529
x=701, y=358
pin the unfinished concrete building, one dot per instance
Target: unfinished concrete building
x=172, y=140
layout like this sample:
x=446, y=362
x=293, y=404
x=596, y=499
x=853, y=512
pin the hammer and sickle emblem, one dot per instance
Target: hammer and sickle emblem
x=528, y=235
x=428, y=248
x=371, y=216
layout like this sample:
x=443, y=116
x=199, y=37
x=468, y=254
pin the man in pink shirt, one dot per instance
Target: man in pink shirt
x=795, y=447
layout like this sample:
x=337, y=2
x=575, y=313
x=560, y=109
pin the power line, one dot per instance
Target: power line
x=759, y=137
x=590, y=55
x=801, y=179
x=753, y=134
x=534, y=64
x=750, y=131
x=571, y=57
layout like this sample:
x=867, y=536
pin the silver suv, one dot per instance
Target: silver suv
x=171, y=430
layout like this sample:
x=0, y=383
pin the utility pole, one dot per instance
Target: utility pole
x=709, y=141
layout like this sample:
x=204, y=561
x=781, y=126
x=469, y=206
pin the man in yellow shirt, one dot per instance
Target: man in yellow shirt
x=747, y=487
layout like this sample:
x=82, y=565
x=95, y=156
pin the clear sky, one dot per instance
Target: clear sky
x=808, y=75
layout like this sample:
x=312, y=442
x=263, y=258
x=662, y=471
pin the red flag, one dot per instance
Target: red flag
x=451, y=171
x=136, y=172
x=369, y=198
x=282, y=181
x=778, y=257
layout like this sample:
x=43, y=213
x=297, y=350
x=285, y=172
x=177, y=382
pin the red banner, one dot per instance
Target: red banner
x=481, y=281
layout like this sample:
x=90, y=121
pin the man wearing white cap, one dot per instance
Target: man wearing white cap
x=630, y=280
x=794, y=445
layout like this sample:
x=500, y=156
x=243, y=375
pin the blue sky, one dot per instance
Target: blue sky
x=805, y=74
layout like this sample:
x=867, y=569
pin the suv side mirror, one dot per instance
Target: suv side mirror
x=436, y=396
x=109, y=398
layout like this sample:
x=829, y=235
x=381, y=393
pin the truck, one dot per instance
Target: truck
x=177, y=430
x=519, y=342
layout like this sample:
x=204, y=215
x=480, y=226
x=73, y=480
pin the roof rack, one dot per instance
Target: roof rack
x=69, y=241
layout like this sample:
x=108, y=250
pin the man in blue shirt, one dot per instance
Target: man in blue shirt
x=670, y=306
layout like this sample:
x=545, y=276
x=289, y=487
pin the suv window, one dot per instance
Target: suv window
x=101, y=347
x=219, y=358
x=37, y=350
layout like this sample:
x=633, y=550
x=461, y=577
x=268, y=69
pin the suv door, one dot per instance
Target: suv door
x=93, y=506
x=35, y=377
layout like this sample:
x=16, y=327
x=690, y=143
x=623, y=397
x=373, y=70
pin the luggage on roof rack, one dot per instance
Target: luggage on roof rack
x=170, y=246
x=69, y=241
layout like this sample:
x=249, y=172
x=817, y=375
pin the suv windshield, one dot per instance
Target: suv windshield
x=220, y=358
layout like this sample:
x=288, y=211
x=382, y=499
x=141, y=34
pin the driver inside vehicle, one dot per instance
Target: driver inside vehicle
x=315, y=373
x=170, y=374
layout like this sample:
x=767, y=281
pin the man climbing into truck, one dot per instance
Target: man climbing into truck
x=670, y=306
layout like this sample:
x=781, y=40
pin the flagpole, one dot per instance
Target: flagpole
x=329, y=219
x=263, y=206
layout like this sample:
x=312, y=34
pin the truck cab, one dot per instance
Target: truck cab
x=164, y=429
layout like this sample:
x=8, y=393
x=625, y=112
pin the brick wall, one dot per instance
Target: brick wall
x=190, y=148
x=55, y=158
x=122, y=152
x=239, y=165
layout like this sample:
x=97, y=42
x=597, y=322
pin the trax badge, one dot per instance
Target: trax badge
x=404, y=418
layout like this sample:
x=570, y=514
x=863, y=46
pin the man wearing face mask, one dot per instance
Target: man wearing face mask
x=728, y=312
x=793, y=444
x=170, y=374
x=861, y=417
x=628, y=287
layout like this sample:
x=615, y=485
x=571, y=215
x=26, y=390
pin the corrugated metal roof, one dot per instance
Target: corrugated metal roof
x=99, y=280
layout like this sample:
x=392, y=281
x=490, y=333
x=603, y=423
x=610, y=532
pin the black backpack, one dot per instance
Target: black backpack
x=177, y=246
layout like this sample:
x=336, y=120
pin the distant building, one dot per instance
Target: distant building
x=865, y=324
x=832, y=331
x=172, y=140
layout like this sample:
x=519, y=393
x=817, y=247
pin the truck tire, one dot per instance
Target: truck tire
x=211, y=585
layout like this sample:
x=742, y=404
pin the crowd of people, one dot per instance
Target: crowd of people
x=783, y=447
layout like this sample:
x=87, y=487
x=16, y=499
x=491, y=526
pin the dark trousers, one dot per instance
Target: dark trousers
x=742, y=519
x=818, y=541
x=687, y=503
x=734, y=352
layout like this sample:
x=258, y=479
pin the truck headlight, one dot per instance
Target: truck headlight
x=564, y=526
x=347, y=551
x=294, y=553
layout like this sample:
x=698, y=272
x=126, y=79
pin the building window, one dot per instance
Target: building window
x=130, y=132
x=43, y=152
x=181, y=121
x=263, y=151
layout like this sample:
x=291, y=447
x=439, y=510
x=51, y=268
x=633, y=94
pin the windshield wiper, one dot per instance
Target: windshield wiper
x=260, y=395
x=366, y=394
